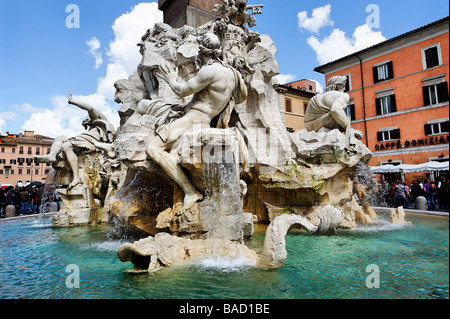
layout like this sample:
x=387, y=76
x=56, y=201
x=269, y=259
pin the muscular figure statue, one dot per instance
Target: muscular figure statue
x=100, y=131
x=328, y=110
x=216, y=88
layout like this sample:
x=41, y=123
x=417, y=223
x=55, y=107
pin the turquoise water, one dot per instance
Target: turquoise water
x=412, y=261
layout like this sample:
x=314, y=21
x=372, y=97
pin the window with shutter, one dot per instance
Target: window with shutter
x=431, y=57
x=445, y=127
x=348, y=86
x=386, y=105
x=395, y=134
x=436, y=128
x=393, y=103
x=350, y=112
x=426, y=96
x=442, y=92
x=382, y=72
x=435, y=94
x=378, y=106
x=288, y=104
x=380, y=136
x=388, y=135
x=390, y=68
x=428, y=129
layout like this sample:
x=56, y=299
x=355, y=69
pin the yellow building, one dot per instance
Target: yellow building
x=293, y=100
x=17, y=165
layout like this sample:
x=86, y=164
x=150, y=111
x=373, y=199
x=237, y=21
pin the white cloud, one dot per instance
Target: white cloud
x=320, y=18
x=123, y=58
x=338, y=45
x=2, y=123
x=94, y=46
x=285, y=78
x=4, y=117
x=65, y=119
x=123, y=54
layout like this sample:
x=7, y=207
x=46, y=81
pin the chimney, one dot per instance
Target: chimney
x=194, y=13
x=28, y=133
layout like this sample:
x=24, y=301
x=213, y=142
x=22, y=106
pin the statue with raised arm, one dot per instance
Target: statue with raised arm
x=216, y=88
x=327, y=110
x=100, y=133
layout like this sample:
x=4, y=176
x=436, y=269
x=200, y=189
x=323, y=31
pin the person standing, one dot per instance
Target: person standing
x=415, y=190
x=406, y=194
x=439, y=192
x=399, y=194
x=24, y=197
x=445, y=194
x=429, y=195
x=2, y=202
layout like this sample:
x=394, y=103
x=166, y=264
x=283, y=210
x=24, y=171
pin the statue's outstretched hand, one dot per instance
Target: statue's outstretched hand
x=168, y=74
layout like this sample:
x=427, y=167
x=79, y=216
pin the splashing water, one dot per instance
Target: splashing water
x=374, y=190
x=49, y=192
x=378, y=226
x=225, y=264
x=225, y=214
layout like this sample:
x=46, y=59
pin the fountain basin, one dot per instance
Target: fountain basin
x=413, y=263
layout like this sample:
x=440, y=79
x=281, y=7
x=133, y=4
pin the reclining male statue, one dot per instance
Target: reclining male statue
x=328, y=110
x=99, y=131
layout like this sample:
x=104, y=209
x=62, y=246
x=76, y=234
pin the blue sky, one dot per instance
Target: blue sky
x=41, y=58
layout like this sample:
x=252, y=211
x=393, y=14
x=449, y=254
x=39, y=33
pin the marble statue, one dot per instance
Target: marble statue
x=202, y=151
x=327, y=110
x=215, y=90
x=99, y=130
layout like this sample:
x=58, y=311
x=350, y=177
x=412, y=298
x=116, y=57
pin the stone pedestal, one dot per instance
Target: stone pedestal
x=421, y=203
x=211, y=158
x=10, y=211
x=79, y=207
x=193, y=13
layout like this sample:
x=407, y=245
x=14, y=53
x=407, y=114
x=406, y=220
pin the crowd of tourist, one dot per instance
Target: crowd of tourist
x=400, y=194
x=22, y=200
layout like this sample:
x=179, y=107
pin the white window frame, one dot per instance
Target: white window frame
x=433, y=89
x=433, y=97
x=439, y=52
x=383, y=66
x=385, y=105
x=387, y=132
x=438, y=122
x=349, y=80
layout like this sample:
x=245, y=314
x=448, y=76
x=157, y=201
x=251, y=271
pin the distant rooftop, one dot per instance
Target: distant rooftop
x=27, y=137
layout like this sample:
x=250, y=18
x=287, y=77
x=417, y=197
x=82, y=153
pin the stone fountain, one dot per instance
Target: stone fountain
x=202, y=153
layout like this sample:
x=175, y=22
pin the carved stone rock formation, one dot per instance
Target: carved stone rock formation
x=164, y=250
x=397, y=216
x=283, y=173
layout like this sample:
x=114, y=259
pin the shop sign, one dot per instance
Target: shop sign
x=435, y=140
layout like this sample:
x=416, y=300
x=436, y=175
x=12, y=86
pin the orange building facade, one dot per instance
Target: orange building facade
x=400, y=97
x=17, y=166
